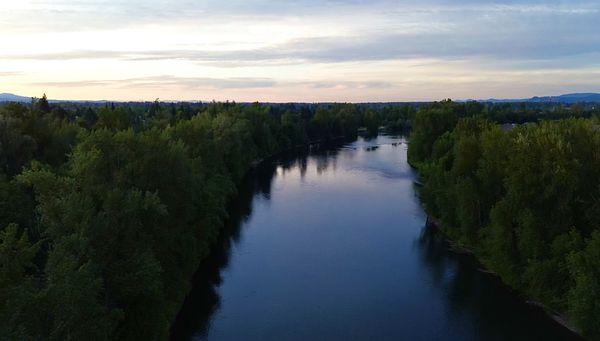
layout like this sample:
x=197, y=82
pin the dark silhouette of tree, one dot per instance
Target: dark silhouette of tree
x=42, y=105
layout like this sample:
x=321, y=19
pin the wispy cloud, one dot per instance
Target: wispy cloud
x=322, y=46
x=195, y=83
x=437, y=45
x=525, y=31
x=167, y=80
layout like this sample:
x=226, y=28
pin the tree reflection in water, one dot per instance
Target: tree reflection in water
x=194, y=318
x=478, y=300
x=457, y=301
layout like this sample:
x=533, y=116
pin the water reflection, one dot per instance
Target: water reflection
x=480, y=301
x=195, y=317
x=336, y=249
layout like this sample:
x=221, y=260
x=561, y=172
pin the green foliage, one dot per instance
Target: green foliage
x=106, y=210
x=371, y=122
x=16, y=147
x=584, y=296
x=427, y=126
x=18, y=293
x=121, y=203
x=115, y=118
x=526, y=201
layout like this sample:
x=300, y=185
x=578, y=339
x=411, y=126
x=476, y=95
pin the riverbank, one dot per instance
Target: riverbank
x=321, y=241
x=437, y=226
x=308, y=146
x=524, y=200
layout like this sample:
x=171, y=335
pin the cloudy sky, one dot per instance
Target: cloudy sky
x=302, y=50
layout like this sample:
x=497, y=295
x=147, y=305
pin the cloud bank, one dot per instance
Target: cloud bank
x=351, y=49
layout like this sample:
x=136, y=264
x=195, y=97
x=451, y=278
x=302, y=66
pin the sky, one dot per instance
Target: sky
x=301, y=50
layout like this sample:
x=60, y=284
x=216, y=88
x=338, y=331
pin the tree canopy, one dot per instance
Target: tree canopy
x=107, y=209
x=526, y=201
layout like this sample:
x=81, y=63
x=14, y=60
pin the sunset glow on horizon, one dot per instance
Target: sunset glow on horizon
x=305, y=51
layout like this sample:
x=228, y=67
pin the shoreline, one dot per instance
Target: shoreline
x=308, y=146
x=558, y=317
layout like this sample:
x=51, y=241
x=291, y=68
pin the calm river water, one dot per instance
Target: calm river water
x=332, y=246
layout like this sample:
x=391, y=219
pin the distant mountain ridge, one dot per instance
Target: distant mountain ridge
x=589, y=97
x=569, y=98
x=6, y=97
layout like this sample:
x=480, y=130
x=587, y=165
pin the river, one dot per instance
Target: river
x=332, y=246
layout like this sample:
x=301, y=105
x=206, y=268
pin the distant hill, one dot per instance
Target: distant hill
x=569, y=98
x=6, y=97
x=566, y=99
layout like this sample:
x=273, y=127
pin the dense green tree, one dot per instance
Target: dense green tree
x=427, y=126
x=16, y=148
x=19, y=299
x=584, y=296
x=42, y=105
x=128, y=200
x=525, y=201
x=372, y=122
x=106, y=210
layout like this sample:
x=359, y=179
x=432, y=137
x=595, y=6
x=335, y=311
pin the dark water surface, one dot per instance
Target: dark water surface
x=332, y=246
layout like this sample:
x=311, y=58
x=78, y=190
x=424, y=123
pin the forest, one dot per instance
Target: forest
x=107, y=209
x=524, y=199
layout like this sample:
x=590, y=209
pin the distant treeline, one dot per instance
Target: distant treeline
x=525, y=200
